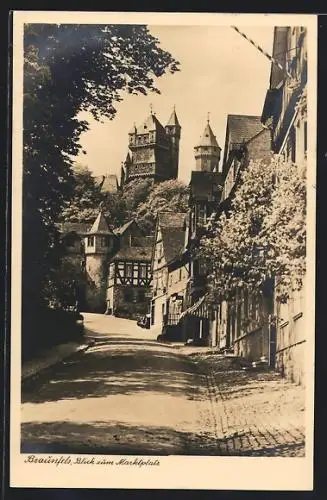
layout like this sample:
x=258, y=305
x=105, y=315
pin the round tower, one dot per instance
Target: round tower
x=99, y=244
x=207, y=152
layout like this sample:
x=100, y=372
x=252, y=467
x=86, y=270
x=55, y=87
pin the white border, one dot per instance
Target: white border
x=175, y=472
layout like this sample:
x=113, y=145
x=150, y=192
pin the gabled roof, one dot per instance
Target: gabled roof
x=100, y=225
x=142, y=254
x=208, y=137
x=173, y=120
x=172, y=226
x=171, y=219
x=243, y=127
x=110, y=184
x=143, y=241
x=120, y=230
x=151, y=123
x=173, y=243
x=79, y=228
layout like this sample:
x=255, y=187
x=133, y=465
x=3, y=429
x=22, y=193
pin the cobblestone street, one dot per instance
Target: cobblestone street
x=127, y=394
x=253, y=413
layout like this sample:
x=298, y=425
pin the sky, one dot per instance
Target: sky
x=220, y=73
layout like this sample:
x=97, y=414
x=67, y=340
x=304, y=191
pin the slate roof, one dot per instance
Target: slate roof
x=243, y=127
x=171, y=219
x=173, y=120
x=120, y=230
x=74, y=227
x=134, y=253
x=204, y=184
x=208, y=138
x=144, y=241
x=173, y=234
x=108, y=183
x=150, y=123
x=100, y=225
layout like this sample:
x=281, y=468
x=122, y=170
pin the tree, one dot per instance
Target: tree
x=86, y=198
x=70, y=68
x=168, y=196
x=136, y=192
x=264, y=234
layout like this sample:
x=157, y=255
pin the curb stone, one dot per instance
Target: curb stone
x=34, y=373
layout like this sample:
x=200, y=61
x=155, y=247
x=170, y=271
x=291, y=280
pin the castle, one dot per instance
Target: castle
x=154, y=150
x=106, y=264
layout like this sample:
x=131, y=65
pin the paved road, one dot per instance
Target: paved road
x=126, y=394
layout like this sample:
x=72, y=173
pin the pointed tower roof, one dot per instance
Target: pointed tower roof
x=133, y=129
x=208, y=138
x=173, y=120
x=150, y=124
x=100, y=225
x=128, y=159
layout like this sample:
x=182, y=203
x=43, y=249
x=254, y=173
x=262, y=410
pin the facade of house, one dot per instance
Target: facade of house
x=129, y=278
x=205, y=193
x=154, y=150
x=100, y=245
x=243, y=323
x=169, y=244
x=285, y=110
x=100, y=264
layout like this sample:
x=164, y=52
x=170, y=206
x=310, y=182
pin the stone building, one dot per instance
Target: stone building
x=106, y=270
x=169, y=243
x=243, y=322
x=129, y=279
x=100, y=245
x=285, y=112
x=154, y=150
x=71, y=274
x=205, y=193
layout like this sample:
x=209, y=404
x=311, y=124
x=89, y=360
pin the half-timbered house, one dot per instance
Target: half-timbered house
x=166, y=261
x=129, y=279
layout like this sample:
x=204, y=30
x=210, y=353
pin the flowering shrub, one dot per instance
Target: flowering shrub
x=263, y=236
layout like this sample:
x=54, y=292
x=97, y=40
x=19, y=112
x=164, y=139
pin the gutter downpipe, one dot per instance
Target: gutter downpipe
x=290, y=125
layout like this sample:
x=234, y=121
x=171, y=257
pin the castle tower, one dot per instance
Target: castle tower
x=207, y=152
x=124, y=171
x=173, y=130
x=154, y=149
x=99, y=244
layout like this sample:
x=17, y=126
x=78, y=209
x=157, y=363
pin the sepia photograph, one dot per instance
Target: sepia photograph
x=163, y=244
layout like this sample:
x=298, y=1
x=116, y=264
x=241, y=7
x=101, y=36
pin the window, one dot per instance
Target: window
x=142, y=270
x=105, y=241
x=129, y=270
x=180, y=274
x=202, y=214
x=90, y=241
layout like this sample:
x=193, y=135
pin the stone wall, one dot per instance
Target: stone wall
x=96, y=283
x=253, y=345
x=290, y=352
x=290, y=362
